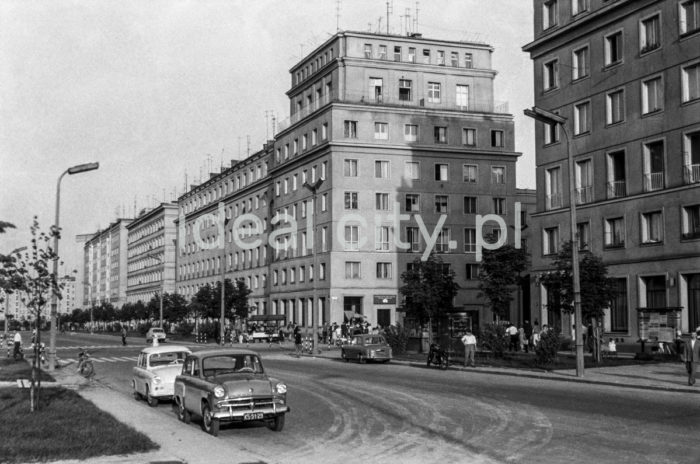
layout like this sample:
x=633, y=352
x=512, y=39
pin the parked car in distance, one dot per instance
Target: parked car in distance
x=157, y=332
x=155, y=372
x=262, y=336
x=229, y=385
x=366, y=347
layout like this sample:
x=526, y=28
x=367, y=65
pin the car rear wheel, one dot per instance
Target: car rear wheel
x=152, y=402
x=210, y=424
x=182, y=413
x=276, y=424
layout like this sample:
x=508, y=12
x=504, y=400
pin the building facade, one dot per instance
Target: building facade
x=150, y=253
x=105, y=266
x=68, y=300
x=626, y=76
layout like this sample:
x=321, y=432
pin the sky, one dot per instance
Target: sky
x=161, y=92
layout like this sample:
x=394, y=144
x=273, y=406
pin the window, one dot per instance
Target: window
x=412, y=202
x=350, y=200
x=292, y=275
x=652, y=95
x=284, y=276
x=468, y=60
x=412, y=170
x=470, y=173
x=618, y=308
x=426, y=56
x=381, y=169
x=469, y=205
x=615, y=232
x=584, y=181
x=324, y=202
x=277, y=192
x=376, y=87
x=654, y=291
x=499, y=206
x=470, y=240
x=352, y=238
x=411, y=55
x=381, y=242
x=410, y=133
x=324, y=238
x=350, y=129
x=498, y=175
x=617, y=184
x=582, y=112
x=413, y=238
x=324, y=131
x=286, y=185
x=382, y=201
x=302, y=273
x=550, y=11
x=440, y=134
x=653, y=165
x=472, y=272
x=691, y=157
x=580, y=63
x=652, y=227
x=553, y=194
x=550, y=241
x=397, y=53
x=442, y=244
x=615, y=107
x=296, y=146
x=691, y=82
x=304, y=142
x=352, y=269
x=454, y=59
x=497, y=138
x=690, y=16
x=613, y=48
x=650, y=34
x=691, y=221
x=382, y=52
x=551, y=133
x=469, y=137
x=462, y=92
x=551, y=75
x=441, y=203
x=381, y=131
x=433, y=92
x=368, y=50
x=441, y=57
x=441, y=171
x=578, y=6
x=405, y=90
x=350, y=168
x=583, y=235
x=383, y=270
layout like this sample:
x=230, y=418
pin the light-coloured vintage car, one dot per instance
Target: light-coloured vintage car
x=156, y=332
x=155, y=372
x=366, y=347
x=229, y=385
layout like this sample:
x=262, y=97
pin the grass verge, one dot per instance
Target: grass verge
x=66, y=426
x=11, y=370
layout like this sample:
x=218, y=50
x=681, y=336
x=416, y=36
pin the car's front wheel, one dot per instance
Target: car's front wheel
x=276, y=424
x=152, y=402
x=210, y=424
x=183, y=414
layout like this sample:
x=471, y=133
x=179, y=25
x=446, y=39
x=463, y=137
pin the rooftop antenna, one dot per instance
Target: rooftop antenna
x=389, y=10
x=337, y=15
x=274, y=123
x=415, y=19
x=222, y=159
x=248, y=146
x=379, y=25
x=267, y=132
x=407, y=18
x=239, y=148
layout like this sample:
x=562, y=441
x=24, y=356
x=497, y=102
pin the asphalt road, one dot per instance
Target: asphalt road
x=394, y=413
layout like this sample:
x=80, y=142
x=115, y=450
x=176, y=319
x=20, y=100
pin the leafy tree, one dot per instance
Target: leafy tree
x=429, y=288
x=593, y=276
x=499, y=274
x=175, y=307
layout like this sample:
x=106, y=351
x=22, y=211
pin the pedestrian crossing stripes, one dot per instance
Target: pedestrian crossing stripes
x=105, y=359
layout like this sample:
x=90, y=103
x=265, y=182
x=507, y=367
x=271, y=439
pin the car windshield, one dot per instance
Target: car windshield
x=156, y=330
x=374, y=341
x=171, y=357
x=231, y=364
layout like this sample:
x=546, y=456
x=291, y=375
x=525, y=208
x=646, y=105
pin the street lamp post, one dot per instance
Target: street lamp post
x=222, y=317
x=548, y=117
x=54, y=298
x=313, y=188
x=162, y=287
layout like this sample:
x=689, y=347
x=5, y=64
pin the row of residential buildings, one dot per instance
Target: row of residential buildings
x=396, y=144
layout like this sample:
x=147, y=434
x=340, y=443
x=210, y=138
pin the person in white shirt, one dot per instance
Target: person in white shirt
x=18, y=342
x=469, y=341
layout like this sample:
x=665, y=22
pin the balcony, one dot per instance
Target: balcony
x=617, y=189
x=653, y=181
x=554, y=201
x=410, y=100
x=691, y=173
x=584, y=195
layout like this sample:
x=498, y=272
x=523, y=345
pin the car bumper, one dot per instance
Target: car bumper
x=161, y=391
x=232, y=415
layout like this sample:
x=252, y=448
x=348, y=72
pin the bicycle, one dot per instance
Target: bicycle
x=85, y=366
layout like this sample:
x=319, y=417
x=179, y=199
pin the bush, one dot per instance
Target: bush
x=184, y=328
x=492, y=337
x=143, y=328
x=546, y=350
x=397, y=338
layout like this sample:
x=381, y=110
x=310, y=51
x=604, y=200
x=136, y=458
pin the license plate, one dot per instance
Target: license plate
x=253, y=416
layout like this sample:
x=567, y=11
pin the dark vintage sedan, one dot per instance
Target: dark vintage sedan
x=229, y=385
x=366, y=347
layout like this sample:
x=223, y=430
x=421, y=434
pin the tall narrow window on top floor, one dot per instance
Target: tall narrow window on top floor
x=426, y=55
x=368, y=50
x=454, y=59
x=468, y=60
x=550, y=11
x=411, y=55
x=382, y=52
x=579, y=6
x=497, y=138
x=441, y=57
x=397, y=53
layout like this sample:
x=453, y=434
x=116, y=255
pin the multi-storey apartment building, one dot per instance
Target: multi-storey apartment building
x=150, y=253
x=626, y=76
x=105, y=266
x=66, y=304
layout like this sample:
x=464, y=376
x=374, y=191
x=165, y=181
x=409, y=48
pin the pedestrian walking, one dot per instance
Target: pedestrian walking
x=297, y=340
x=469, y=341
x=528, y=335
x=123, y=336
x=18, y=344
x=691, y=356
x=512, y=332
